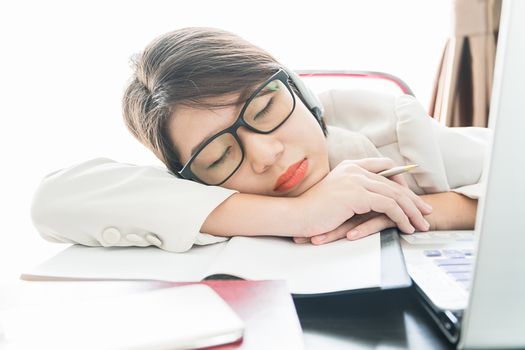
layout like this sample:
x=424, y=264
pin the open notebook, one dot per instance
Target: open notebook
x=374, y=262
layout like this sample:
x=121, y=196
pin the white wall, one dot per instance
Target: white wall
x=63, y=67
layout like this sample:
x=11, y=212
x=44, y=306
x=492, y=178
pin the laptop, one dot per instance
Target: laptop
x=473, y=282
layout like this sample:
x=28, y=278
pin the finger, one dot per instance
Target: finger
x=369, y=227
x=400, y=179
x=375, y=165
x=391, y=208
x=336, y=234
x=342, y=230
x=301, y=240
x=404, y=201
x=420, y=203
x=328, y=237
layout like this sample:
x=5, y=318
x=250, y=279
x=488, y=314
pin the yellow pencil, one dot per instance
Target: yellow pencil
x=397, y=170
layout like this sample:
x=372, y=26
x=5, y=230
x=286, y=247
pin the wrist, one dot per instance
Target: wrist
x=299, y=213
x=451, y=211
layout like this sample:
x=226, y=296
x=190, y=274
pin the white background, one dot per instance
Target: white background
x=64, y=65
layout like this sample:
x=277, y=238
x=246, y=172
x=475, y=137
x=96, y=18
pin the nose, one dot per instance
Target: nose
x=260, y=150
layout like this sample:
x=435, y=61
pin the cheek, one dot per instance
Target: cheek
x=304, y=129
x=245, y=181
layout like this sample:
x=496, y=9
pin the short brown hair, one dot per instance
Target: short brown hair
x=187, y=67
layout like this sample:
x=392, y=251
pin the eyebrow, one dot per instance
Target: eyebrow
x=207, y=137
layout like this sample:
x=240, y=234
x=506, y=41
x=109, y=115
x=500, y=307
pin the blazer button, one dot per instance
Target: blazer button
x=153, y=239
x=110, y=236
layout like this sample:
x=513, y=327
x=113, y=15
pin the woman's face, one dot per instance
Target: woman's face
x=285, y=162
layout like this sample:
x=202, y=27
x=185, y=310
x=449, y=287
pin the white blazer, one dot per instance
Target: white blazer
x=103, y=202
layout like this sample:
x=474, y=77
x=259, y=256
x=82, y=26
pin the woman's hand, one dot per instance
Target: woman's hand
x=452, y=211
x=353, y=188
x=358, y=226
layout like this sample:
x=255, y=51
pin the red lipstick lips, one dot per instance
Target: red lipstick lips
x=292, y=176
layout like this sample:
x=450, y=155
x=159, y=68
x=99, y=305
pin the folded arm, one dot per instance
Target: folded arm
x=103, y=202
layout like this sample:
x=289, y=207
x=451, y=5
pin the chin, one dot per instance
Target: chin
x=308, y=182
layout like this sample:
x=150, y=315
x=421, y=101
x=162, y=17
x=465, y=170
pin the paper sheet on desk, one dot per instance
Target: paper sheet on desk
x=308, y=269
x=338, y=266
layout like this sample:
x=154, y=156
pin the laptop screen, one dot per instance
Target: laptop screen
x=494, y=317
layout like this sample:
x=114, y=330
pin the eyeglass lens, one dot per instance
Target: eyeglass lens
x=265, y=112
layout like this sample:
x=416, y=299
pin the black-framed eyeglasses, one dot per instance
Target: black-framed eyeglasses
x=216, y=159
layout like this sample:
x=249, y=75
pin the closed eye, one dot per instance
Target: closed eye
x=264, y=111
x=221, y=159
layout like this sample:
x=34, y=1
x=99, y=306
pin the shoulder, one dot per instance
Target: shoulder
x=345, y=144
x=356, y=108
x=376, y=115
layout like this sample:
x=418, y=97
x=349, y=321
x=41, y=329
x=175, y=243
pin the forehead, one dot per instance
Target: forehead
x=190, y=125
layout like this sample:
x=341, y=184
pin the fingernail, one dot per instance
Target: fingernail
x=321, y=238
x=427, y=225
x=353, y=234
x=429, y=207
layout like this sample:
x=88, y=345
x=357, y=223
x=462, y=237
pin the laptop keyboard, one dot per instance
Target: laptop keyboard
x=437, y=237
x=457, y=263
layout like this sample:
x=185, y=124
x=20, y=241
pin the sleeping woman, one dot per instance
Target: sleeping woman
x=249, y=150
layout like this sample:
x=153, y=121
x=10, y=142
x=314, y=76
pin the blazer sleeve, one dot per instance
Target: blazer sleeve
x=451, y=157
x=101, y=202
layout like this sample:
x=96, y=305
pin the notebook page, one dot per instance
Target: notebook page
x=149, y=263
x=308, y=269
